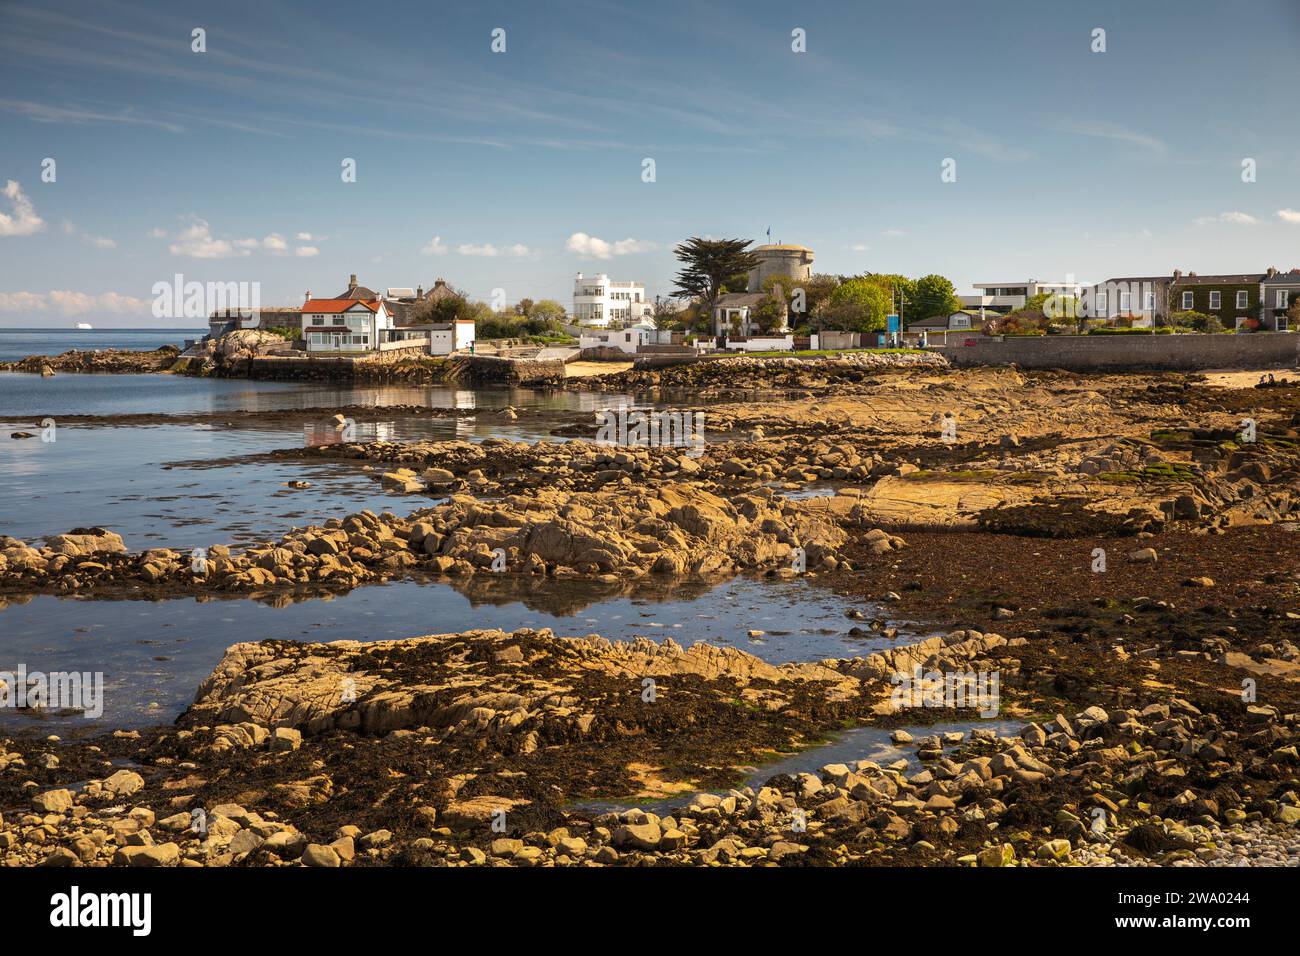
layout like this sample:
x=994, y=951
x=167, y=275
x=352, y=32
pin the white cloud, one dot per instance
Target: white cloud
x=197, y=242
x=487, y=250
x=1289, y=215
x=586, y=245
x=72, y=303
x=157, y=233
x=1101, y=129
x=99, y=242
x=306, y=252
x=434, y=247
x=892, y=233
x=304, y=237
x=24, y=220
x=859, y=247
x=1235, y=218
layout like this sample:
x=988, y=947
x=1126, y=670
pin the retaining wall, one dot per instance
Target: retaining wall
x=1083, y=353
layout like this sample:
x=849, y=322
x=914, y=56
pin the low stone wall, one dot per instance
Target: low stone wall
x=491, y=370
x=1086, y=353
x=605, y=353
x=396, y=351
x=647, y=360
x=386, y=369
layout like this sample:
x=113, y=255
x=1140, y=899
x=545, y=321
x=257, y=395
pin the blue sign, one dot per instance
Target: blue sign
x=891, y=325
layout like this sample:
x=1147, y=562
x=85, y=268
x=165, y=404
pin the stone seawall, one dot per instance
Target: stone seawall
x=1087, y=353
x=492, y=370
x=387, y=369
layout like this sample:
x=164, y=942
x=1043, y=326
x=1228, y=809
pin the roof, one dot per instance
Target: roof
x=943, y=320
x=359, y=292
x=738, y=300
x=1283, y=277
x=402, y=312
x=440, y=290
x=1238, y=279
x=339, y=305
x=778, y=247
x=400, y=292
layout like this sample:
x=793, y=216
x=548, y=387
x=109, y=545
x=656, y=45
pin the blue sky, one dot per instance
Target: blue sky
x=483, y=167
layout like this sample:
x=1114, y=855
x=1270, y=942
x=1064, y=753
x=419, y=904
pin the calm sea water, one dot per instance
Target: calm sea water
x=20, y=343
x=186, y=485
x=153, y=654
x=190, y=485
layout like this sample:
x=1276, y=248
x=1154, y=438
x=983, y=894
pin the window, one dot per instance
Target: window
x=1243, y=298
x=1125, y=302
x=1187, y=300
x=1216, y=300
x=1101, y=304
x=961, y=322
x=1150, y=305
x=318, y=320
x=1282, y=296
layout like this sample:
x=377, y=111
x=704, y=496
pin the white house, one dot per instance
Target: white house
x=1009, y=296
x=345, y=325
x=598, y=301
x=627, y=340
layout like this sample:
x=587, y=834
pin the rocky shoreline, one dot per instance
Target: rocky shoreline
x=472, y=749
x=1148, y=706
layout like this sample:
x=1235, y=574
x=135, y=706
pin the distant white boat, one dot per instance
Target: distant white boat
x=84, y=325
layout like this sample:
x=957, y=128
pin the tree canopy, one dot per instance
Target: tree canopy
x=858, y=305
x=933, y=295
x=709, y=264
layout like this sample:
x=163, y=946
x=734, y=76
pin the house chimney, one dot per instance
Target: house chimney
x=352, y=282
x=419, y=292
x=1272, y=271
x=1191, y=275
x=308, y=296
x=1178, y=273
x=439, y=283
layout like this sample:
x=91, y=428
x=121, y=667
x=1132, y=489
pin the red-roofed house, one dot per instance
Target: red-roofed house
x=345, y=325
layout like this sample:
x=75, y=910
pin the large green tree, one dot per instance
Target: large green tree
x=858, y=305
x=933, y=295
x=900, y=289
x=708, y=264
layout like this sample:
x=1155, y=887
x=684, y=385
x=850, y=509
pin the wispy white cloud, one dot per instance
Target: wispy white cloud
x=587, y=245
x=1234, y=218
x=1289, y=215
x=489, y=251
x=99, y=242
x=434, y=247
x=47, y=113
x=23, y=221
x=1104, y=129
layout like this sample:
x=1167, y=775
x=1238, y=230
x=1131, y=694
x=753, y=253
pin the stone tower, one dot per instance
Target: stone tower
x=789, y=262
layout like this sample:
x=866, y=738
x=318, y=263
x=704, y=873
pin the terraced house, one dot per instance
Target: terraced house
x=1278, y=292
x=1233, y=299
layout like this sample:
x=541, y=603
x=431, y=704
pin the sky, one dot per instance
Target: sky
x=514, y=170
